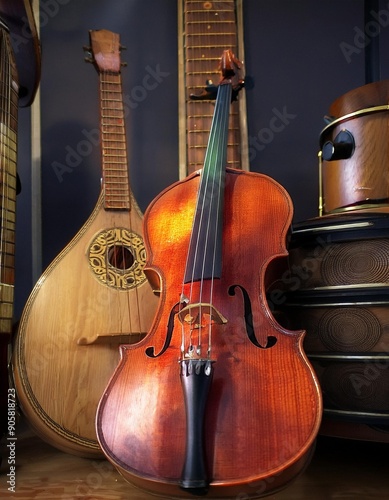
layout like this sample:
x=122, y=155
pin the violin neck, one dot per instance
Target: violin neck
x=204, y=257
x=113, y=143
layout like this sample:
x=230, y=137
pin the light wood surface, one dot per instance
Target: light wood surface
x=60, y=367
x=340, y=468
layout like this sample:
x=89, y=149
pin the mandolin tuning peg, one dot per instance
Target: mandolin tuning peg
x=88, y=55
x=123, y=64
x=87, y=48
x=122, y=47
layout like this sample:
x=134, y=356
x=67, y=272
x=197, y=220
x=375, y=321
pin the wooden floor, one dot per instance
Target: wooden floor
x=340, y=469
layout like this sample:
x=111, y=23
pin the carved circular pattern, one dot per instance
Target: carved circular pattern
x=356, y=386
x=117, y=258
x=349, y=329
x=356, y=263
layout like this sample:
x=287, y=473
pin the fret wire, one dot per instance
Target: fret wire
x=8, y=152
x=226, y=33
x=202, y=13
x=213, y=46
x=210, y=43
x=205, y=59
x=113, y=140
x=214, y=21
x=107, y=139
x=197, y=73
x=111, y=116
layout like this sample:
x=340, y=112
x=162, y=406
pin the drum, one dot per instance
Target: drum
x=336, y=288
x=354, y=152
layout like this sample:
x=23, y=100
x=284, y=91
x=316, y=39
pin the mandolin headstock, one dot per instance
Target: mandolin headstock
x=104, y=51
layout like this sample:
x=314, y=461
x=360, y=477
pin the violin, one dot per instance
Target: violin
x=217, y=400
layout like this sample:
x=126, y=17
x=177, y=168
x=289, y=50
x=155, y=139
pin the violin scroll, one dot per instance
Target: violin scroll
x=230, y=68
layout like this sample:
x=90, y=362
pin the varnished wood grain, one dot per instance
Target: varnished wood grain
x=59, y=381
x=361, y=179
x=264, y=406
x=339, y=469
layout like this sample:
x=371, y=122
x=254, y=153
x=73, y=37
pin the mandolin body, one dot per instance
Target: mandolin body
x=78, y=313
x=264, y=405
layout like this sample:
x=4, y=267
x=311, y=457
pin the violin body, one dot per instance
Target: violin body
x=263, y=409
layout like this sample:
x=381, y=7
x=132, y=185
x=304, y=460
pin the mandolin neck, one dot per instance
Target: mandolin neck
x=115, y=183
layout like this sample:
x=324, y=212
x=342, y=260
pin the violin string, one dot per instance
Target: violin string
x=208, y=172
x=223, y=131
x=199, y=209
x=211, y=185
x=212, y=147
x=209, y=67
x=222, y=170
x=213, y=202
x=202, y=55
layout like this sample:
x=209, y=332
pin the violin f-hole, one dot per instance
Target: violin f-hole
x=150, y=351
x=248, y=317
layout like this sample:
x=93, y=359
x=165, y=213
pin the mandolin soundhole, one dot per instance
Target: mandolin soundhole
x=120, y=257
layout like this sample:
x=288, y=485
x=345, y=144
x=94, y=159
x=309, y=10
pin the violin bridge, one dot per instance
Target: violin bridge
x=192, y=314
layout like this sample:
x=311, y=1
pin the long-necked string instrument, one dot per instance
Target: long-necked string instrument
x=204, y=30
x=19, y=80
x=217, y=399
x=8, y=157
x=92, y=297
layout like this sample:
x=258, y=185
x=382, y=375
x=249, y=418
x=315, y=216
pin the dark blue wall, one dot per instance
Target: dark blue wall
x=300, y=55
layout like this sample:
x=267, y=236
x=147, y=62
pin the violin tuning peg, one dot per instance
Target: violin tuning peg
x=87, y=49
x=123, y=64
x=123, y=47
x=89, y=59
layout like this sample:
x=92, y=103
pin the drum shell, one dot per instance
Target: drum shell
x=345, y=315
x=342, y=251
x=363, y=178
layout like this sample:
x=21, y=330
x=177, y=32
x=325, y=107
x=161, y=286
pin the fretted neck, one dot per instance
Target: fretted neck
x=8, y=159
x=113, y=143
x=208, y=29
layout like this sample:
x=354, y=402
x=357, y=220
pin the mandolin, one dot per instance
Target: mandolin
x=92, y=297
x=218, y=399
